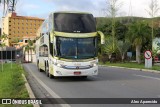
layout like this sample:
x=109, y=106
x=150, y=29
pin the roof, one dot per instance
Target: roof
x=78, y=12
x=27, y=17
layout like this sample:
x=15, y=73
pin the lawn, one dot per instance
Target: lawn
x=12, y=84
x=131, y=65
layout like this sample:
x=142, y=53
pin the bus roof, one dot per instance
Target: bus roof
x=78, y=12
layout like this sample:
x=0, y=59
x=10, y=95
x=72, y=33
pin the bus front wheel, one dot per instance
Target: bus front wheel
x=51, y=76
x=39, y=69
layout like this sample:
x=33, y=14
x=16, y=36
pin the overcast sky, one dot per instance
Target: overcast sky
x=41, y=8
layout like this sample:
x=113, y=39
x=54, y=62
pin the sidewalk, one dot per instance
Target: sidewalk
x=138, y=69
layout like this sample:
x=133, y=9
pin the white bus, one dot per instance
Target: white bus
x=67, y=45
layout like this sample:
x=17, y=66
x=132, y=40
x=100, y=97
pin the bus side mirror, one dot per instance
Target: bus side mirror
x=102, y=37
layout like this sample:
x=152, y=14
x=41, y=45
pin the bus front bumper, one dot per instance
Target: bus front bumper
x=58, y=71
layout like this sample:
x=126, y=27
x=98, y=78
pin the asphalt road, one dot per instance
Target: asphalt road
x=110, y=83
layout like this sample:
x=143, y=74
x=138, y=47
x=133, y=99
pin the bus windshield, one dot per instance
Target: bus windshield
x=74, y=23
x=77, y=48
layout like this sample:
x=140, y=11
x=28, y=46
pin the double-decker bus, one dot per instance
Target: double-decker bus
x=67, y=45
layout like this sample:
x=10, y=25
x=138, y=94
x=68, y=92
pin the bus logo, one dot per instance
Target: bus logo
x=77, y=67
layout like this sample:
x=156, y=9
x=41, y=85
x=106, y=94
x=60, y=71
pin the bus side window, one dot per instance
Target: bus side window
x=40, y=51
x=51, y=49
x=50, y=22
x=45, y=50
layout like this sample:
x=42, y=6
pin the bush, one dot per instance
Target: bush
x=103, y=58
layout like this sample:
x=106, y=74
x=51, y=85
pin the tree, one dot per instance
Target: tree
x=2, y=44
x=153, y=10
x=31, y=47
x=138, y=33
x=8, y=5
x=121, y=30
x=112, y=10
x=108, y=46
x=123, y=47
x=27, y=48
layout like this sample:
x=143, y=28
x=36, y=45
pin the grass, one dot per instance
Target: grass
x=12, y=84
x=131, y=65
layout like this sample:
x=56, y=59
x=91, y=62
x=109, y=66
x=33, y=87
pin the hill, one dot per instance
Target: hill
x=101, y=21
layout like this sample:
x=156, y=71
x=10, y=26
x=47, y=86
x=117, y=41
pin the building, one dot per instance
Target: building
x=19, y=30
x=18, y=27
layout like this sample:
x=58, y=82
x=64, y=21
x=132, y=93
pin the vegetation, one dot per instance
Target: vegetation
x=12, y=84
x=153, y=10
x=132, y=34
x=29, y=48
x=123, y=48
x=136, y=32
x=8, y=5
x=3, y=37
x=112, y=10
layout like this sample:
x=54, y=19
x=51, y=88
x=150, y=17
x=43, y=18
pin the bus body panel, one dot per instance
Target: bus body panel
x=65, y=68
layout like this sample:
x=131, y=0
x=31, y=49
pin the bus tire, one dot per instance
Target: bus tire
x=51, y=76
x=39, y=69
x=47, y=70
x=84, y=77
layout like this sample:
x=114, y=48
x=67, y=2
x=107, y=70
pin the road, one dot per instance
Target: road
x=110, y=83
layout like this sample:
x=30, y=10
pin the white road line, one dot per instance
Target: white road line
x=94, y=77
x=53, y=94
x=148, y=77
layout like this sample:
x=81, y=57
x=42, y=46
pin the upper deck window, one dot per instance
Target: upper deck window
x=74, y=23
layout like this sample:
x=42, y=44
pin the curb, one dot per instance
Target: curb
x=144, y=70
x=30, y=92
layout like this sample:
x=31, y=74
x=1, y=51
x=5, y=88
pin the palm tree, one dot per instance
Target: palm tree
x=112, y=10
x=138, y=33
x=31, y=47
x=108, y=47
x=27, y=48
x=153, y=11
x=123, y=47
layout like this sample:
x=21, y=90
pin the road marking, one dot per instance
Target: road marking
x=96, y=77
x=49, y=90
x=148, y=77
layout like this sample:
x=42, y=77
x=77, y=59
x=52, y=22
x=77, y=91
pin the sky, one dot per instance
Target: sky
x=42, y=8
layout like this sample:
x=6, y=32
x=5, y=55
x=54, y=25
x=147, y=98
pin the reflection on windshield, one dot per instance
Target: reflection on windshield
x=68, y=47
x=76, y=48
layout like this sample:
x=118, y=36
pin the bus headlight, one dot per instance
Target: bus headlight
x=94, y=63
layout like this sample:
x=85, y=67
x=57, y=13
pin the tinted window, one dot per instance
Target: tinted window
x=77, y=48
x=43, y=51
x=74, y=23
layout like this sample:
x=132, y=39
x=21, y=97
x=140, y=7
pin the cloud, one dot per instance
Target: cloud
x=129, y=7
x=137, y=7
x=41, y=8
x=93, y=6
x=31, y=6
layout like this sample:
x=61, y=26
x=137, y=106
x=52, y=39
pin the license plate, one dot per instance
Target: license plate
x=77, y=73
